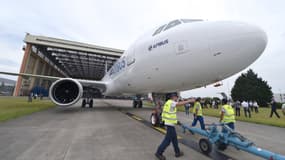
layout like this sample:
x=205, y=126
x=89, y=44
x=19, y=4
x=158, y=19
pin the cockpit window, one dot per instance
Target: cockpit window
x=158, y=30
x=172, y=24
x=190, y=20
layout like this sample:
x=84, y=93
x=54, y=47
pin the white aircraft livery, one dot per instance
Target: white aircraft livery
x=181, y=55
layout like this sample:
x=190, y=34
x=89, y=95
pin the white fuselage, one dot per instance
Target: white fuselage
x=187, y=56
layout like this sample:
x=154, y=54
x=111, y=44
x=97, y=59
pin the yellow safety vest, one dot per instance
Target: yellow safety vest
x=198, y=105
x=229, y=115
x=169, y=114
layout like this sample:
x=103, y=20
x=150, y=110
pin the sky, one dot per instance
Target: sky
x=117, y=24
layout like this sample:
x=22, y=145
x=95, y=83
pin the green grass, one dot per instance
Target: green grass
x=13, y=107
x=260, y=118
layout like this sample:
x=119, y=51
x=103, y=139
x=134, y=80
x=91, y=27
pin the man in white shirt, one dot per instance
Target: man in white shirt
x=245, y=108
x=255, y=105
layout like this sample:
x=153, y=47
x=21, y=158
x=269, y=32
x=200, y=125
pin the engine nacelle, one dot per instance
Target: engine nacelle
x=65, y=92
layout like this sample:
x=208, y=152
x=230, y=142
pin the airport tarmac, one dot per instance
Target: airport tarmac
x=106, y=132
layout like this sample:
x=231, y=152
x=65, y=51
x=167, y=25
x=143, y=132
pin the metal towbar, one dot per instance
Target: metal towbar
x=221, y=136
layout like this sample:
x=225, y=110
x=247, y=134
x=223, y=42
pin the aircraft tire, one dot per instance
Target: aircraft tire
x=153, y=119
x=83, y=103
x=91, y=103
x=135, y=103
x=140, y=103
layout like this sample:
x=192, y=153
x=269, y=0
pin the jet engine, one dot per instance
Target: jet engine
x=65, y=92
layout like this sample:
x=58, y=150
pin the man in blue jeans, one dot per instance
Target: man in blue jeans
x=170, y=120
x=198, y=114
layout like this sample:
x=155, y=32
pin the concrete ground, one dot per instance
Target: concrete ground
x=100, y=133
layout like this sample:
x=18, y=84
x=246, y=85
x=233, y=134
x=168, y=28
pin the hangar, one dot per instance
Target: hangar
x=62, y=58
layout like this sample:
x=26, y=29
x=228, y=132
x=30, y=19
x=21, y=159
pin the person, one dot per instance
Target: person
x=250, y=103
x=169, y=117
x=202, y=102
x=213, y=104
x=227, y=114
x=237, y=107
x=246, y=109
x=30, y=97
x=35, y=96
x=41, y=96
x=255, y=105
x=273, y=109
x=283, y=109
x=187, y=107
x=198, y=114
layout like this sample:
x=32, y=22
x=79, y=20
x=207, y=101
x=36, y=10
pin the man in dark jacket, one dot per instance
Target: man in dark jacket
x=273, y=109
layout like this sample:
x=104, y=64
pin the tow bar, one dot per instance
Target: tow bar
x=221, y=136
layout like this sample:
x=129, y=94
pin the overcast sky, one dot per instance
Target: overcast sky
x=117, y=24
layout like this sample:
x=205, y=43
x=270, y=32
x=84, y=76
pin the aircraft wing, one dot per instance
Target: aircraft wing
x=86, y=83
x=93, y=84
x=31, y=75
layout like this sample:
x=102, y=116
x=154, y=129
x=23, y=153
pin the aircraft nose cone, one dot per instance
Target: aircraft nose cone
x=234, y=39
x=255, y=34
x=253, y=39
x=236, y=45
x=259, y=38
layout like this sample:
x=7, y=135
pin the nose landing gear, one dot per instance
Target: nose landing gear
x=137, y=102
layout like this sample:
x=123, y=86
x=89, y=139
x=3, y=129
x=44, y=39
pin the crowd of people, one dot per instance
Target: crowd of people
x=34, y=96
x=248, y=107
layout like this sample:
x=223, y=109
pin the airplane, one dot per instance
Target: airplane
x=180, y=55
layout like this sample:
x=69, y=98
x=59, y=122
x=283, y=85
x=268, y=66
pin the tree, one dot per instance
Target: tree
x=250, y=87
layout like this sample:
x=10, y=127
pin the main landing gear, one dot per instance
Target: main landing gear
x=155, y=117
x=87, y=101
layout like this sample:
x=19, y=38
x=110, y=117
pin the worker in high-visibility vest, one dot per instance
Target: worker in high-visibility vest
x=170, y=120
x=227, y=114
x=198, y=114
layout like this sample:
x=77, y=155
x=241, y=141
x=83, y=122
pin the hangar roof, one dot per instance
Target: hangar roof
x=75, y=59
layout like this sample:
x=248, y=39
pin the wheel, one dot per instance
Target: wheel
x=221, y=146
x=140, y=104
x=91, y=103
x=205, y=146
x=83, y=103
x=153, y=119
x=135, y=104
